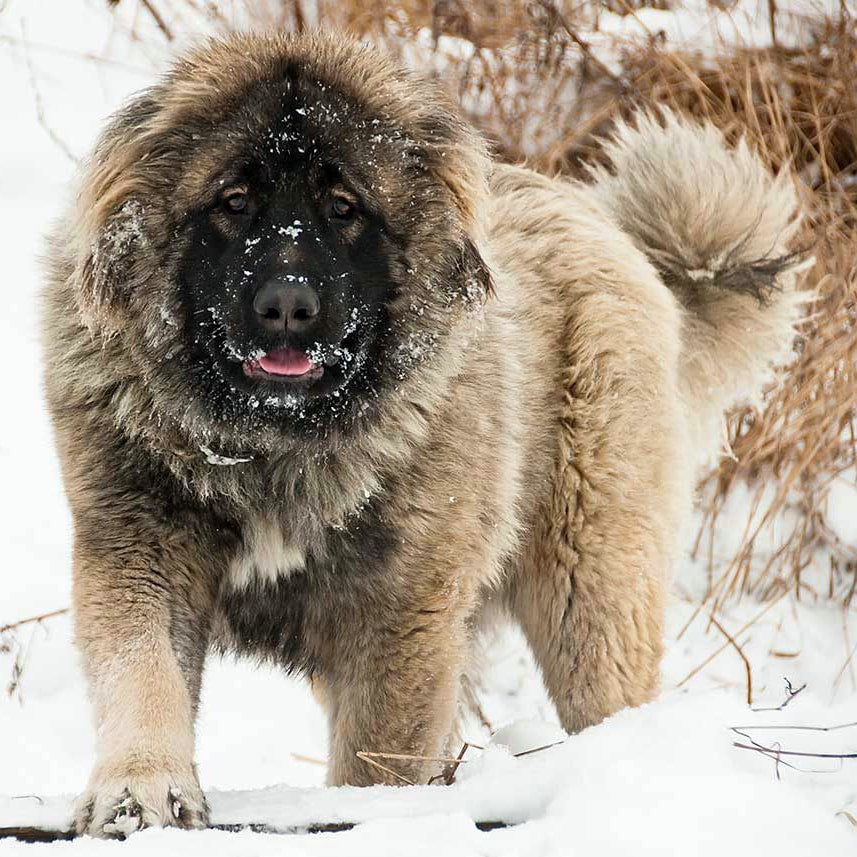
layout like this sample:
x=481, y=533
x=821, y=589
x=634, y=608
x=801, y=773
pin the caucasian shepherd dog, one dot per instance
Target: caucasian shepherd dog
x=333, y=388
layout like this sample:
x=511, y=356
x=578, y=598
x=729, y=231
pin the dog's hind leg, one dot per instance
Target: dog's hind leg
x=589, y=592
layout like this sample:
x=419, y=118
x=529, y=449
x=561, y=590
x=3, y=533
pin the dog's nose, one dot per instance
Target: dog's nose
x=280, y=306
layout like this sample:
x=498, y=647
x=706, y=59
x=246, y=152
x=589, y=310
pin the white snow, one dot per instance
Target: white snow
x=663, y=779
x=527, y=735
x=222, y=460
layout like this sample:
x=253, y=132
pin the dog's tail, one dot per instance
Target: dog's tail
x=717, y=226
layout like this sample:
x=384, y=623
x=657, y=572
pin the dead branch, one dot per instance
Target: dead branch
x=740, y=729
x=158, y=19
x=585, y=47
x=776, y=757
x=370, y=760
x=448, y=773
x=742, y=656
x=40, y=618
x=537, y=749
x=847, y=815
x=311, y=760
x=722, y=648
x=36, y=834
x=40, y=107
x=451, y=762
x=806, y=755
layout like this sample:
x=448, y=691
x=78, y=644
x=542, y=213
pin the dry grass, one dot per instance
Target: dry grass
x=542, y=82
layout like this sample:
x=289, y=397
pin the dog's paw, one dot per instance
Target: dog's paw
x=115, y=806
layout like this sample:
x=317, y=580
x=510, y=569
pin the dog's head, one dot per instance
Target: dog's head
x=283, y=231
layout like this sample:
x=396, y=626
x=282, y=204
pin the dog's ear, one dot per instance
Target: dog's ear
x=111, y=265
x=112, y=233
x=477, y=279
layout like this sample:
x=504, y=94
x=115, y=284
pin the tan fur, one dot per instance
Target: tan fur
x=266, y=556
x=701, y=211
x=536, y=454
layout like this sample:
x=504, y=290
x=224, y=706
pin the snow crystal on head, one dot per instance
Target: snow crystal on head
x=292, y=231
x=167, y=316
x=123, y=232
x=415, y=349
x=124, y=229
x=222, y=460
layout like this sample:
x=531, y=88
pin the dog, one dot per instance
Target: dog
x=332, y=388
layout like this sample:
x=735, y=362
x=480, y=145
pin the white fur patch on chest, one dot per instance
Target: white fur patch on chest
x=265, y=557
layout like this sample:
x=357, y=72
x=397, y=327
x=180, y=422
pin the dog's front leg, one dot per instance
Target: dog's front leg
x=393, y=688
x=142, y=604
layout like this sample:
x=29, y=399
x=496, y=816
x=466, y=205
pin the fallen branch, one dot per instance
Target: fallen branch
x=36, y=834
x=739, y=729
x=372, y=759
x=772, y=751
x=451, y=763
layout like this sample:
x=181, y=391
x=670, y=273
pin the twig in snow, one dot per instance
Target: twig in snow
x=36, y=834
x=740, y=651
x=738, y=633
x=449, y=761
x=448, y=773
x=848, y=661
x=848, y=816
x=775, y=750
x=755, y=745
x=10, y=644
x=537, y=749
x=299, y=757
x=40, y=618
x=370, y=760
x=805, y=755
x=791, y=693
x=798, y=728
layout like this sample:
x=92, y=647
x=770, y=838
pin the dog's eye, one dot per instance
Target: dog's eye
x=235, y=201
x=342, y=208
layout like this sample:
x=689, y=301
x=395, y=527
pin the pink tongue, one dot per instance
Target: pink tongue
x=286, y=361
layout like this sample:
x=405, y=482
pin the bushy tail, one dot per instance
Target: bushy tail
x=717, y=225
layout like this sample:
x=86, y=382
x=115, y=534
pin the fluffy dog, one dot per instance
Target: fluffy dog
x=331, y=388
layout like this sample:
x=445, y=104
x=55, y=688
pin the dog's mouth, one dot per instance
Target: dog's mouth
x=285, y=365
x=315, y=371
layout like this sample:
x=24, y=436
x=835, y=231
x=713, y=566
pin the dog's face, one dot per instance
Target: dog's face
x=293, y=260
x=312, y=226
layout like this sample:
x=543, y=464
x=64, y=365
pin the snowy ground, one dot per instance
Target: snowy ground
x=664, y=779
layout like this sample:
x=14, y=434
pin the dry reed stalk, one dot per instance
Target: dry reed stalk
x=31, y=619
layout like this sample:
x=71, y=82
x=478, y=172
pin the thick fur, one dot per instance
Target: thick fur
x=554, y=358
x=718, y=230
